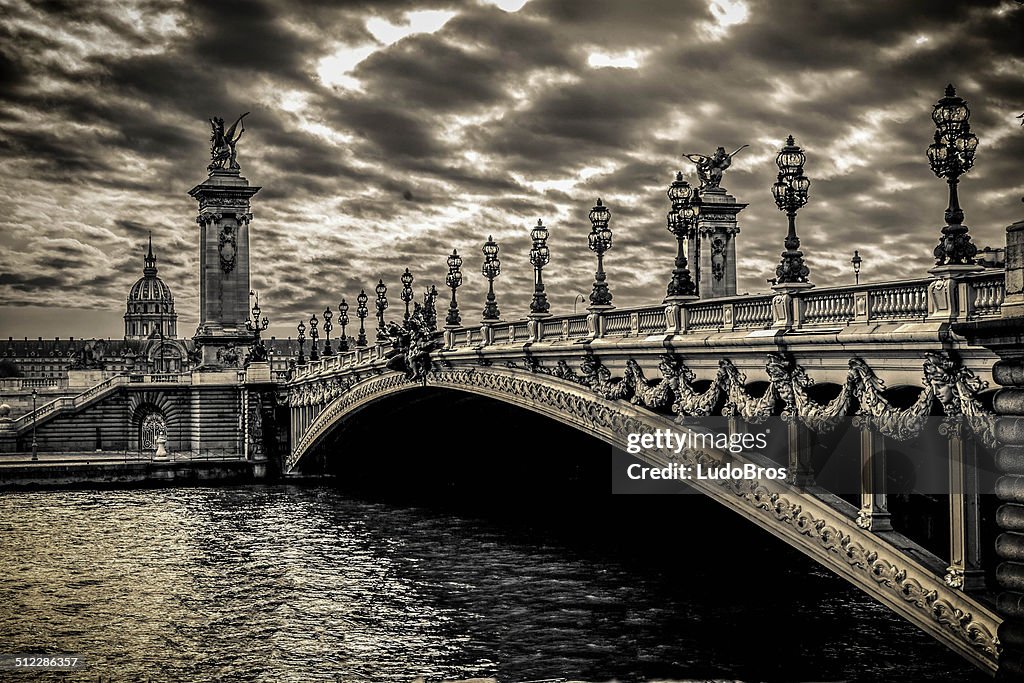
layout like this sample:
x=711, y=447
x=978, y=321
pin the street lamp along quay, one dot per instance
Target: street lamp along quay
x=382, y=305
x=302, y=340
x=361, y=313
x=35, y=445
x=950, y=156
x=856, y=261
x=314, y=355
x=407, y=294
x=490, y=270
x=540, y=256
x=685, y=207
x=343, y=321
x=328, y=315
x=600, y=241
x=454, y=280
x=790, y=192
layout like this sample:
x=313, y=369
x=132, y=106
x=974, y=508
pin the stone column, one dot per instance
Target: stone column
x=964, y=569
x=1005, y=336
x=223, y=267
x=874, y=502
x=717, y=227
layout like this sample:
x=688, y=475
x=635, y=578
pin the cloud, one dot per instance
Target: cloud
x=442, y=121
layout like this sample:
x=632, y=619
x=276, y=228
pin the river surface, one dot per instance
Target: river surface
x=290, y=583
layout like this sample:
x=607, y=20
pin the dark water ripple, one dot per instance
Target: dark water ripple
x=304, y=584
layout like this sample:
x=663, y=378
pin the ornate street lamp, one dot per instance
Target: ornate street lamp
x=540, y=256
x=406, y=290
x=454, y=281
x=490, y=270
x=430, y=307
x=313, y=336
x=856, y=261
x=301, y=360
x=382, y=305
x=600, y=241
x=361, y=313
x=685, y=207
x=35, y=445
x=328, y=314
x=790, y=192
x=950, y=156
x=257, y=351
x=343, y=321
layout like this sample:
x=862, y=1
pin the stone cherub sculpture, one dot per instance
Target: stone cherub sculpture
x=222, y=143
x=711, y=168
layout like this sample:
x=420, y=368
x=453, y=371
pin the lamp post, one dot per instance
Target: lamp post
x=540, y=256
x=790, y=192
x=430, y=307
x=35, y=445
x=343, y=321
x=600, y=241
x=257, y=352
x=950, y=156
x=302, y=340
x=328, y=315
x=382, y=305
x=577, y=300
x=454, y=281
x=490, y=270
x=361, y=313
x=685, y=207
x=856, y=261
x=314, y=355
x=406, y=290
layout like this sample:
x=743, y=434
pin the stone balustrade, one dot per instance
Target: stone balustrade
x=980, y=296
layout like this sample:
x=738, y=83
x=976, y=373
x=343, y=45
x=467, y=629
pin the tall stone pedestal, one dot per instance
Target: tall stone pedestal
x=717, y=228
x=223, y=267
x=1005, y=336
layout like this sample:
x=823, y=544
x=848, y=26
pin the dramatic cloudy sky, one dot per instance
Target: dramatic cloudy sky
x=386, y=133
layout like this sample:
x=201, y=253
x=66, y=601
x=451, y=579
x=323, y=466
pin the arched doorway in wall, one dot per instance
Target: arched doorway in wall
x=151, y=426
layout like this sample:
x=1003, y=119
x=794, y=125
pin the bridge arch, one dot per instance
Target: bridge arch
x=821, y=527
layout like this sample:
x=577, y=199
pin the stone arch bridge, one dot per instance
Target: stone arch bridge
x=882, y=357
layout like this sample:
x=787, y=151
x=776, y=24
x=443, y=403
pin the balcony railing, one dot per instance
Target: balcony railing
x=980, y=295
x=74, y=402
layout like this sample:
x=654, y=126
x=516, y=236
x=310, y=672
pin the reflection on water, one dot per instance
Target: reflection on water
x=303, y=584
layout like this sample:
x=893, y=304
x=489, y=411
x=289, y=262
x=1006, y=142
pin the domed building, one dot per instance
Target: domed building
x=150, y=309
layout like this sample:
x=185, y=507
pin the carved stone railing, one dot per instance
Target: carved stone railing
x=986, y=293
x=18, y=384
x=651, y=320
x=901, y=301
x=828, y=307
x=705, y=316
x=753, y=312
x=980, y=296
x=71, y=403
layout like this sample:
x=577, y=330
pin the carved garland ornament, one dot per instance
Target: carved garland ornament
x=954, y=386
x=227, y=248
x=824, y=528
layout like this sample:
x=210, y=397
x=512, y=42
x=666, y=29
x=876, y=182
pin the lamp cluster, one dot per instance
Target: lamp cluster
x=950, y=156
x=790, y=192
x=682, y=221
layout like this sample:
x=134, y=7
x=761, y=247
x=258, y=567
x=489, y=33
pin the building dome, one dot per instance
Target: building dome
x=150, y=306
x=150, y=289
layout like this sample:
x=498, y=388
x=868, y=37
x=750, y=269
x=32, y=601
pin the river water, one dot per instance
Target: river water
x=290, y=583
